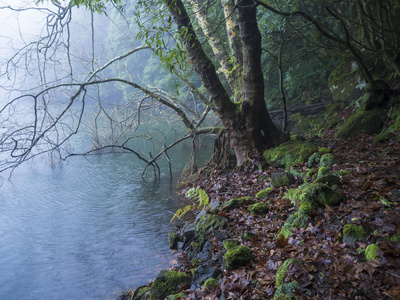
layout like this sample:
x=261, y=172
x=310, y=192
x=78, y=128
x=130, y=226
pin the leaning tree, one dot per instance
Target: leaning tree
x=220, y=40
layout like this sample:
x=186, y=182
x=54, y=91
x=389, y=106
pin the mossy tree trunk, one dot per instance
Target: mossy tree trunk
x=245, y=120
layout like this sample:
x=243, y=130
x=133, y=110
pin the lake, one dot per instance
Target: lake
x=86, y=229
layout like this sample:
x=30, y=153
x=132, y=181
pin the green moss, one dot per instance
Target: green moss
x=327, y=160
x=319, y=194
x=306, y=206
x=330, y=180
x=381, y=138
x=195, y=262
x=370, y=251
x=281, y=179
x=353, y=233
x=283, y=270
x=236, y=203
x=395, y=238
x=258, y=208
x=287, y=291
x=208, y=223
x=298, y=219
x=237, y=257
x=176, y=296
x=210, y=283
x=263, y=193
x=335, y=107
x=368, y=122
x=313, y=160
x=230, y=244
x=141, y=293
x=167, y=283
x=312, y=172
x=323, y=171
x=173, y=240
x=289, y=153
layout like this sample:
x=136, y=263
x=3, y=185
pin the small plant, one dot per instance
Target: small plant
x=292, y=195
x=197, y=194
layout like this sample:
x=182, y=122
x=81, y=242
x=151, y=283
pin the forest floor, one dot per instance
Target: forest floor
x=330, y=268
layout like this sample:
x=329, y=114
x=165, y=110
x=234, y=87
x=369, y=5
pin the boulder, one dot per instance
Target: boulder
x=353, y=233
x=330, y=180
x=208, y=223
x=281, y=179
x=167, y=283
x=327, y=160
x=237, y=257
x=202, y=274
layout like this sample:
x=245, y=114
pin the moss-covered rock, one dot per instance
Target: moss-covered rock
x=370, y=252
x=258, y=208
x=230, y=244
x=282, y=179
x=327, y=160
x=323, y=171
x=353, y=233
x=210, y=283
x=176, y=296
x=167, y=283
x=208, y=223
x=287, y=291
x=283, y=270
x=324, y=150
x=195, y=262
x=368, y=122
x=237, y=257
x=395, y=238
x=289, y=153
x=263, y=193
x=330, y=180
x=299, y=219
x=320, y=194
x=142, y=292
x=313, y=160
x=173, y=240
x=236, y=202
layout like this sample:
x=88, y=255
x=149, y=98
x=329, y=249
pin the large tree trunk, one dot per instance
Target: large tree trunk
x=246, y=122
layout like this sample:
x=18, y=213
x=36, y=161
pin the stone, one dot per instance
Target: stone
x=173, y=240
x=263, y=193
x=283, y=270
x=235, y=203
x=237, y=257
x=282, y=179
x=287, y=291
x=289, y=153
x=370, y=252
x=210, y=283
x=202, y=274
x=313, y=160
x=258, y=208
x=167, y=283
x=208, y=223
x=330, y=180
x=188, y=234
x=353, y=233
x=320, y=195
x=298, y=219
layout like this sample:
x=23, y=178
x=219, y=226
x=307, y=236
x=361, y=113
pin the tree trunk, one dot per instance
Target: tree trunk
x=246, y=122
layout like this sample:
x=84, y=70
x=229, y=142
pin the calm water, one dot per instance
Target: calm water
x=83, y=230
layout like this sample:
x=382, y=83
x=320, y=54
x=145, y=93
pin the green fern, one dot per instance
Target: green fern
x=292, y=195
x=197, y=194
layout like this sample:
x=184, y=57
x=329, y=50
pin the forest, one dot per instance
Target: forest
x=289, y=112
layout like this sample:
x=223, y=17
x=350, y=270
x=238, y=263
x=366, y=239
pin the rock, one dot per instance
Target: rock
x=281, y=179
x=142, y=292
x=167, y=283
x=313, y=160
x=230, y=244
x=329, y=180
x=367, y=122
x=353, y=233
x=200, y=214
x=237, y=257
x=289, y=153
x=202, y=274
x=258, y=208
x=324, y=150
x=210, y=283
x=283, y=270
x=263, y=193
x=214, y=205
x=370, y=252
x=204, y=254
x=327, y=160
x=299, y=219
x=236, y=203
x=319, y=194
x=173, y=240
x=208, y=223
x=188, y=234
x=287, y=291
